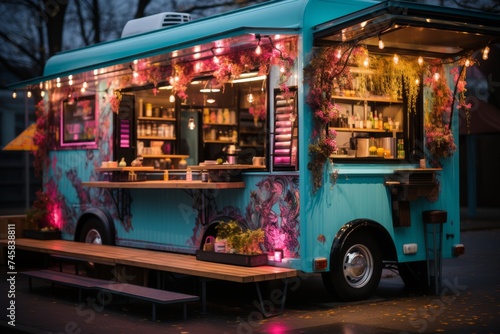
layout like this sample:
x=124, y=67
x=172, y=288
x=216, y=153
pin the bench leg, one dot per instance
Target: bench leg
x=261, y=301
x=203, y=295
x=154, y=312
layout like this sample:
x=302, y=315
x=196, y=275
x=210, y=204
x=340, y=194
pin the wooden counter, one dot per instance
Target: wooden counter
x=181, y=184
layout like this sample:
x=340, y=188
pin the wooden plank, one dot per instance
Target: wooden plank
x=149, y=294
x=181, y=184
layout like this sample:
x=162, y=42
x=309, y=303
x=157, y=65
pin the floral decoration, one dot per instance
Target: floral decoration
x=326, y=68
x=41, y=139
x=319, y=152
x=439, y=139
x=115, y=100
x=40, y=215
x=258, y=107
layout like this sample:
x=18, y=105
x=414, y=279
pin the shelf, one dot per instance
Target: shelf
x=155, y=138
x=165, y=156
x=220, y=141
x=157, y=119
x=221, y=124
x=365, y=130
x=368, y=99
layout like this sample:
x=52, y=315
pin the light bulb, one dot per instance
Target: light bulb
x=420, y=60
x=14, y=94
x=171, y=99
x=28, y=94
x=250, y=97
x=258, y=50
x=191, y=124
x=396, y=59
x=381, y=44
x=366, y=62
x=467, y=63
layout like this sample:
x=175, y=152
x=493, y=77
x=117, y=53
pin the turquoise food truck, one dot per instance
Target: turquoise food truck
x=330, y=125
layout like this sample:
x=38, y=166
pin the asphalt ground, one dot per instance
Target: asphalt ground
x=233, y=310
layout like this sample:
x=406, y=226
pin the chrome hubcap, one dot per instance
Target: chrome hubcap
x=358, y=266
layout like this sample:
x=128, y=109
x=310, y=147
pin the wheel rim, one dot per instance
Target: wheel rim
x=93, y=237
x=358, y=266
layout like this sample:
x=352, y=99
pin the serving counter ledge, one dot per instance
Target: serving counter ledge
x=180, y=184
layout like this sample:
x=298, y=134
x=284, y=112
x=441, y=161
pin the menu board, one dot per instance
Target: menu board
x=285, y=130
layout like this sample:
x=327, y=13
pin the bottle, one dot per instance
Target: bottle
x=391, y=124
x=380, y=122
x=189, y=175
x=165, y=175
x=122, y=163
x=375, y=121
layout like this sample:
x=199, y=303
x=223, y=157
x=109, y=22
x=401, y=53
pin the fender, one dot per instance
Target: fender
x=364, y=226
x=103, y=216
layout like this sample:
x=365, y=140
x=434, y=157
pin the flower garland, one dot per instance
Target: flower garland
x=326, y=68
x=258, y=107
x=41, y=139
x=439, y=139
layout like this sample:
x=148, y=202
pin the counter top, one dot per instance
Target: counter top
x=124, y=169
x=225, y=166
x=180, y=184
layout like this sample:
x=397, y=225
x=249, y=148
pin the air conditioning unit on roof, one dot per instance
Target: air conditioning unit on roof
x=154, y=22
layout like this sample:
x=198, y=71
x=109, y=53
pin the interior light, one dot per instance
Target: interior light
x=436, y=76
x=366, y=63
x=28, y=94
x=486, y=52
x=191, y=124
x=420, y=60
x=250, y=98
x=243, y=78
x=171, y=99
x=467, y=63
x=258, y=50
x=210, y=101
x=42, y=93
x=417, y=81
x=396, y=59
x=381, y=44
x=82, y=89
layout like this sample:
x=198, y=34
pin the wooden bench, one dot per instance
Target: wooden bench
x=164, y=262
x=154, y=296
x=80, y=282
x=149, y=294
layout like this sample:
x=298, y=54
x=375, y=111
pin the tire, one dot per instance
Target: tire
x=356, y=270
x=414, y=276
x=94, y=232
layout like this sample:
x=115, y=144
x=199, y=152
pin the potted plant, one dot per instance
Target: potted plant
x=241, y=247
x=39, y=219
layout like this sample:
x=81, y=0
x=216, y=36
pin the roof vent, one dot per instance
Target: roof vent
x=154, y=22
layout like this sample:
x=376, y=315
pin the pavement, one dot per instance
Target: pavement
x=48, y=309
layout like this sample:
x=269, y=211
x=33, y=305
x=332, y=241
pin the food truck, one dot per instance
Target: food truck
x=330, y=125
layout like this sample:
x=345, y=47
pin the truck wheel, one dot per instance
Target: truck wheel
x=414, y=276
x=356, y=270
x=93, y=232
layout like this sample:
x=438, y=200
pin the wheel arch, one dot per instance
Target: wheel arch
x=103, y=216
x=371, y=227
